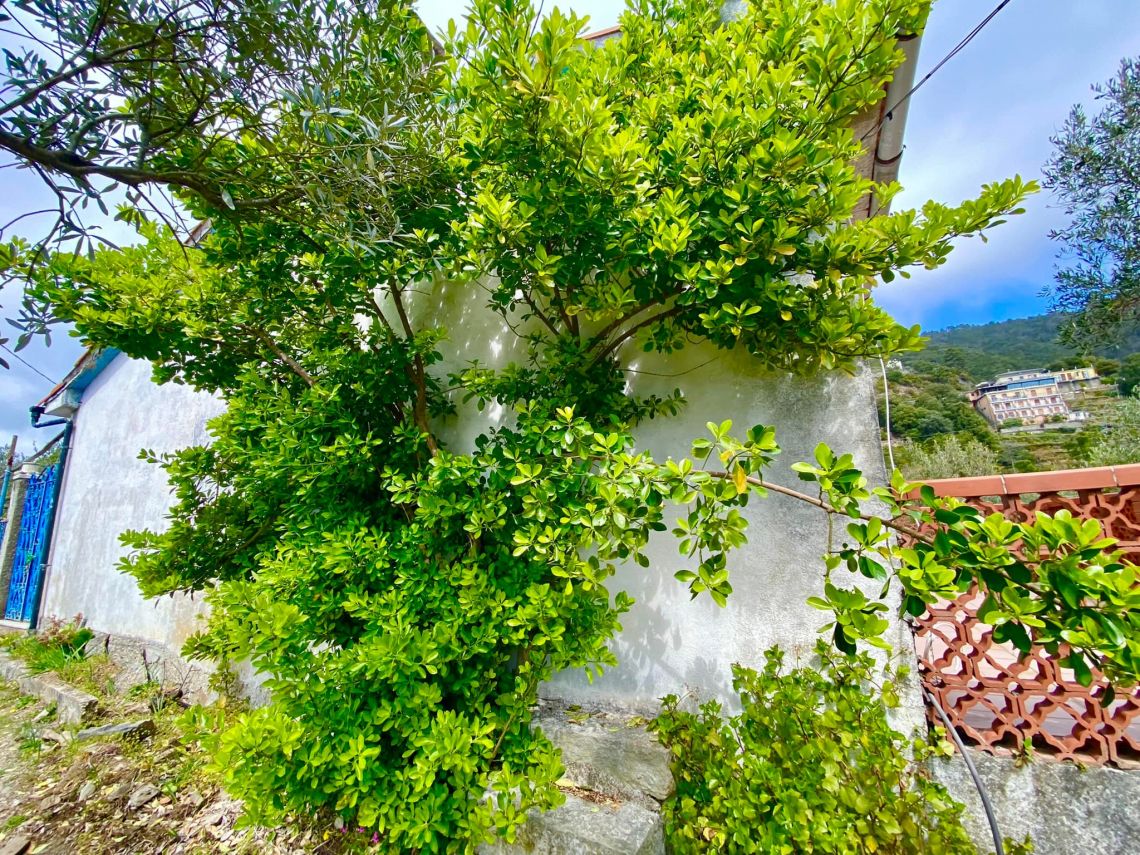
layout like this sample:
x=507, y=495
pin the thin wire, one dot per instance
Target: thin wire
x=678, y=374
x=5, y=347
x=958, y=48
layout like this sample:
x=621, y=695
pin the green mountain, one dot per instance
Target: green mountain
x=983, y=350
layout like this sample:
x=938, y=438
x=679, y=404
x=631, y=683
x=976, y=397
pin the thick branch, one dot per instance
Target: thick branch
x=66, y=163
x=629, y=333
x=571, y=323
x=545, y=320
x=617, y=322
x=376, y=312
x=267, y=340
x=418, y=374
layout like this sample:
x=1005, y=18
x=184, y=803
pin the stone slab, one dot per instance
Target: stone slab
x=71, y=704
x=582, y=827
x=134, y=729
x=1064, y=808
x=609, y=753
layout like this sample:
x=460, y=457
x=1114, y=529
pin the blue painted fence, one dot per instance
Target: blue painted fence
x=31, y=546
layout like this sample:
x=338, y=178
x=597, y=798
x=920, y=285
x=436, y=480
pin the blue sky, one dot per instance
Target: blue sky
x=986, y=115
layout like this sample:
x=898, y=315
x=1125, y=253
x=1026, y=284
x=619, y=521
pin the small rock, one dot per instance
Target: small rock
x=56, y=736
x=116, y=794
x=15, y=844
x=338, y=824
x=211, y=818
x=49, y=804
x=195, y=799
x=86, y=791
x=41, y=715
x=143, y=729
x=142, y=796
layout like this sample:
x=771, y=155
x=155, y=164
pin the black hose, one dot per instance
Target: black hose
x=987, y=805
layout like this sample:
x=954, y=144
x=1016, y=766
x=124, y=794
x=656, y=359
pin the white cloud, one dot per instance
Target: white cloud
x=987, y=115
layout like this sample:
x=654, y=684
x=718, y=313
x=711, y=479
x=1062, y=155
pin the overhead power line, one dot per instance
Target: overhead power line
x=28, y=364
x=957, y=49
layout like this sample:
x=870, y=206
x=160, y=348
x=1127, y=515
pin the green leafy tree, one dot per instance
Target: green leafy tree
x=1128, y=377
x=161, y=106
x=1106, y=368
x=1117, y=442
x=690, y=180
x=1095, y=175
x=629, y=181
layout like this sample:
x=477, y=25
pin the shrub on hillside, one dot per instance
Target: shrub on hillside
x=810, y=764
x=951, y=456
x=1120, y=443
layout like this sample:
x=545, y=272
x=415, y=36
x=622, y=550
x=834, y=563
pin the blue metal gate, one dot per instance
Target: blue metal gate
x=31, y=546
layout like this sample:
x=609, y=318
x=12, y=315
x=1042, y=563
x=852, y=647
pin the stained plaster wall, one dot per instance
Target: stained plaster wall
x=670, y=643
x=107, y=490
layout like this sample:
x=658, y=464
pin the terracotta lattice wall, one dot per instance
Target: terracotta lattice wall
x=999, y=702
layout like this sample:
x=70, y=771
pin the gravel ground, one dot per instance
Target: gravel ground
x=121, y=795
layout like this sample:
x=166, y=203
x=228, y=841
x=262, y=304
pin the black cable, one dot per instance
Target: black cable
x=952, y=732
x=958, y=48
x=987, y=805
x=13, y=353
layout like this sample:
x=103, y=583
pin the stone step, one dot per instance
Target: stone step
x=586, y=827
x=72, y=705
x=617, y=775
x=608, y=752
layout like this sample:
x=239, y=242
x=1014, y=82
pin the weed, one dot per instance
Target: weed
x=58, y=645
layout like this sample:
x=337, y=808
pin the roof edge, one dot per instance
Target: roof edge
x=89, y=366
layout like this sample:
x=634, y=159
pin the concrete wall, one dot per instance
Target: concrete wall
x=1064, y=808
x=671, y=644
x=107, y=490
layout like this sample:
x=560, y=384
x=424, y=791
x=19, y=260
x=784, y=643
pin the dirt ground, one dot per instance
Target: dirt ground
x=117, y=794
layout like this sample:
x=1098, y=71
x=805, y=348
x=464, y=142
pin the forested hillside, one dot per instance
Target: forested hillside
x=938, y=434
x=982, y=350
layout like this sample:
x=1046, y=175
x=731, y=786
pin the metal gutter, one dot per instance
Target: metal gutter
x=63, y=400
x=892, y=122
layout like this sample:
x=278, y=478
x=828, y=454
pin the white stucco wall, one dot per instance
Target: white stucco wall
x=107, y=490
x=670, y=643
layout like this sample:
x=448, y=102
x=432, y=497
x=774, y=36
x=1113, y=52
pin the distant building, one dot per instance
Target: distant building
x=1031, y=396
x=1074, y=380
